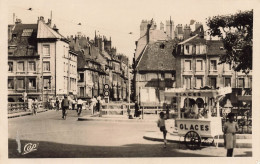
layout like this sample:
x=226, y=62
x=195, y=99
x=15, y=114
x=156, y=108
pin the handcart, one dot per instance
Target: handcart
x=199, y=127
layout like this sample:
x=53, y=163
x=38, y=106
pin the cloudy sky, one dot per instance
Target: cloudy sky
x=117, y=18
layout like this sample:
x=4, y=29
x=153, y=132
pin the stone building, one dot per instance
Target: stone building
x=43, y=65
x=99, y=64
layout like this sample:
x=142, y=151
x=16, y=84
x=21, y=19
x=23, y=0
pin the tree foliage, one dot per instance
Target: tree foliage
x=236, y=31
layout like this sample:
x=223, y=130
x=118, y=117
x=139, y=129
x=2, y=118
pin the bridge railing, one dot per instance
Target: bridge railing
x=15, y=107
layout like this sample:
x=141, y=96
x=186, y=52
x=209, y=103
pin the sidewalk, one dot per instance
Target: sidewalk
x=19, y=114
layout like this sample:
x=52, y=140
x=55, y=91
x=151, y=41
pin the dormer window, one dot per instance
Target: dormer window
x=162, y=46
x=27, y=32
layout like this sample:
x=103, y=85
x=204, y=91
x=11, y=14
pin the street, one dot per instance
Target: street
x=58, y=138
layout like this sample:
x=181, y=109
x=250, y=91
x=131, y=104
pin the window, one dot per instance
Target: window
x=27, y=32
x=20, y=84
x=46, y=66
x=20, y=66
x=46, y=50
x=10, y=66
x=213, y=82
x=227, y=82
x=199, y=82
x=32, y=83
x=199, y=65
x=81, y=91
x=241, y=83
x=187, y=82
x=47, y=83
x=213, y=65
x=202, y=49
x=31, y=66
x=81, y=77
x=11, y=50
x=10, y=83
x=227, y=67
x=64, y=67
x=162, y=46
x=143, y=77
x=197, y=49
x=30, y=51
x=187, y=65
x=162, y=76
x=187, y=49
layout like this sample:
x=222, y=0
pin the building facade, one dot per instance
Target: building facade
x=42, y=57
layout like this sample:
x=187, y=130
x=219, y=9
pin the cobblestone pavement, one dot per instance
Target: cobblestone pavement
x=58, y=138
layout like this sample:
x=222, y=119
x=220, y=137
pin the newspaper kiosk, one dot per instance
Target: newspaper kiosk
x=198, y=127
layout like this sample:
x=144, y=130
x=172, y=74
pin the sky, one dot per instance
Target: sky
x=117, y=18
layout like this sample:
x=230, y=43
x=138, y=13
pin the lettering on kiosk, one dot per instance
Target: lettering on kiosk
x=194, y=127
x=188, y=94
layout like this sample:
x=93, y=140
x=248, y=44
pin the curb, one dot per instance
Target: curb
x=26, y=114
x=113, y=119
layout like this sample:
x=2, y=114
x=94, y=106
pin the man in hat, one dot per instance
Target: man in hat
x=65, y=105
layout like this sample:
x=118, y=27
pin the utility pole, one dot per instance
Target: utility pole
x=129, y=87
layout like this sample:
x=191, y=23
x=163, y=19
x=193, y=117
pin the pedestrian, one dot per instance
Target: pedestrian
x=79, y=106
x=161, y=125
x=65, y=106
x=73, y=104
x=57, y=103
x=98, y=103
x=137, y=113
x=92, y=105
x=34, y=107
x=167, y=112
x=230, y=130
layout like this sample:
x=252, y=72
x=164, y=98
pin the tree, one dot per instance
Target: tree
x=236, y=32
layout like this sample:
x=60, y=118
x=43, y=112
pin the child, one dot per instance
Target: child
x=230, y=129
x=161, y=125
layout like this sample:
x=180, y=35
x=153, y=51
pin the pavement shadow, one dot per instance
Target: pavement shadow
x=247, y=154
x=59, y=150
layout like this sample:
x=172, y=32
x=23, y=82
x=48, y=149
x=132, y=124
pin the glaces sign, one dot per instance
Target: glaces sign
x=202, y=127
x=187, y=94
x=195, y=127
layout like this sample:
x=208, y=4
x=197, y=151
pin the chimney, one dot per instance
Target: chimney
x=18, y=21
x=55, y=28
x=49, y=22
x=187, y=32
x=42, y=19
x=197, y=25
x=13, y=18
x=161, y=26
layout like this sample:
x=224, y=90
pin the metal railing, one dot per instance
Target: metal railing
x=15, y=107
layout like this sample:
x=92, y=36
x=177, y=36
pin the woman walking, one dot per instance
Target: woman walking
x=230, y=130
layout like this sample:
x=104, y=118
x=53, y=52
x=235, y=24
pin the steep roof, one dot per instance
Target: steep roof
x=215, y=47
x=24, y=38
x=154, y=57
x=44, y=31
x=141, y=43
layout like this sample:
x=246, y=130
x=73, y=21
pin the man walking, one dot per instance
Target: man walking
x=79, y=106
x=65, y=105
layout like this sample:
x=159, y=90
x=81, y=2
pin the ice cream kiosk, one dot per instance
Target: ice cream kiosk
x=197, y=124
